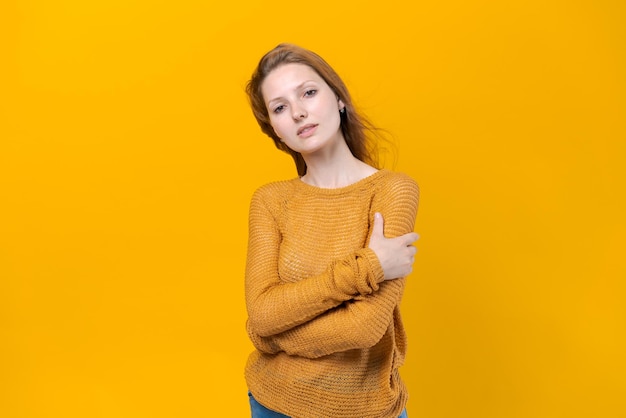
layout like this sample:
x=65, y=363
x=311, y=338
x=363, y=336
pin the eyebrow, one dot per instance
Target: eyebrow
x=298, y=87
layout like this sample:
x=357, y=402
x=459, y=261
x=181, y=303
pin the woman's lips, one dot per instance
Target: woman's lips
x=307, y=130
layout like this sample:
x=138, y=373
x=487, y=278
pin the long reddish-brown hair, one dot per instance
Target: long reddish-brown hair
x=355, y=127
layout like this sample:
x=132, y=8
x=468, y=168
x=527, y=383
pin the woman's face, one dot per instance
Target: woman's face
x=303, y=109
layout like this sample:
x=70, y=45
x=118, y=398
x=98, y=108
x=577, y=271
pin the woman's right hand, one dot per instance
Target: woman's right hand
x=396, y=255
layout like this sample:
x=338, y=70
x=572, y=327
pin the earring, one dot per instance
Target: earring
x=342, y=110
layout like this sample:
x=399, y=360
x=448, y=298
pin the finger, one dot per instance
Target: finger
x=410, y=238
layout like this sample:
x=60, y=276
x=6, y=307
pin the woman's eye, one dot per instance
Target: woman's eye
x=310, y=92
x=279, y=109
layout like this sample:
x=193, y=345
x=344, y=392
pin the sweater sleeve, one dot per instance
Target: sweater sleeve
x=356, y=324
x=360, y=322
x=275, y=306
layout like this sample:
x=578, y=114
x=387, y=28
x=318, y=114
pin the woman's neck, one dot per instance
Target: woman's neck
x=339, y=169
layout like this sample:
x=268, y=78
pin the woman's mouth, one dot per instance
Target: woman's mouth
x=306, y=130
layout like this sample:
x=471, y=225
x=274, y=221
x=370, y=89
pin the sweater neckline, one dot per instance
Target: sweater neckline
x=365, y=181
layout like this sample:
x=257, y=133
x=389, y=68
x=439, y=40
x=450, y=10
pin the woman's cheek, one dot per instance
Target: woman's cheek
x=278, y=131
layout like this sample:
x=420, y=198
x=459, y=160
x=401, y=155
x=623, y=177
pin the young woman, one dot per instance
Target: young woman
x=327, y=253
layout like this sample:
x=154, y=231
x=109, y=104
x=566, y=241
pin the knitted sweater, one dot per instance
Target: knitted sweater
x=326, y=326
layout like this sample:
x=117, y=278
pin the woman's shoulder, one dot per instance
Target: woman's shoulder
x=397, y=179
x=275, y=189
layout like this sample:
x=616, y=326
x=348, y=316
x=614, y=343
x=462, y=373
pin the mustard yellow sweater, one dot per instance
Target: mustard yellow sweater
x=326, y=326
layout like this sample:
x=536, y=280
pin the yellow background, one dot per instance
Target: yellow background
x=128, y=155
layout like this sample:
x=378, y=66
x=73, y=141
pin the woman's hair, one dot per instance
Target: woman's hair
x=355, y=127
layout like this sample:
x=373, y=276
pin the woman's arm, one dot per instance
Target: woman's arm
x=362, y=321
x=275, y=306
x=355, y=324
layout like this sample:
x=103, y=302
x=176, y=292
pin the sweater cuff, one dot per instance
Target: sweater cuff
x=375, y=274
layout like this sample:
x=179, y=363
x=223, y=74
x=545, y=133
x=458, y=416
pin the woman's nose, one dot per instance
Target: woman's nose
x=298, y=113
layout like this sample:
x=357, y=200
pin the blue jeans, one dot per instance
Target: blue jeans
x=259, y=411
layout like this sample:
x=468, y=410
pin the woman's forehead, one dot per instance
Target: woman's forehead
x=288, y=77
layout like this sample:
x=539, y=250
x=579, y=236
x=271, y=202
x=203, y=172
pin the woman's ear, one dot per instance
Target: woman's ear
x=341, y=105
